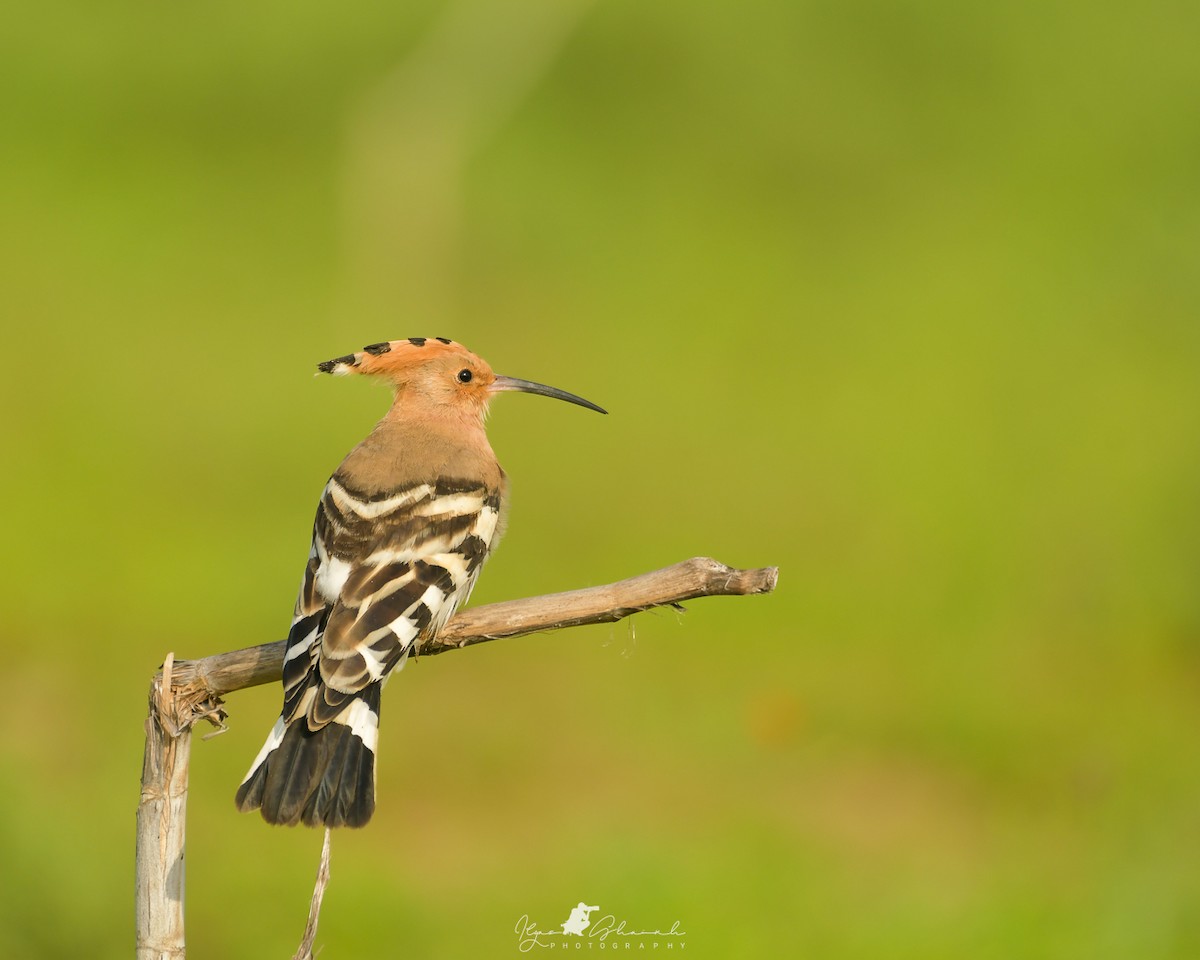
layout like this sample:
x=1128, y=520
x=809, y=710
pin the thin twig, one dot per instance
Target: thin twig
x=314, y=909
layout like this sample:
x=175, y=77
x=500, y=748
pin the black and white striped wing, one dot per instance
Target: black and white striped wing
x=385, y=572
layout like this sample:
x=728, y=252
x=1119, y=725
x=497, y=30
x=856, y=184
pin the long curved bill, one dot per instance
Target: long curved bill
x=501, y=384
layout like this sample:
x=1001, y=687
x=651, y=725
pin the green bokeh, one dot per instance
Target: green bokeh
x=900, y=297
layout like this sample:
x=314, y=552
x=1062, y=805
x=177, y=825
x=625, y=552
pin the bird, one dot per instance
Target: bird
x=402, y=529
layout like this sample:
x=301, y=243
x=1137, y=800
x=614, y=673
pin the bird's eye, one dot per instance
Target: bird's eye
x=464, y=376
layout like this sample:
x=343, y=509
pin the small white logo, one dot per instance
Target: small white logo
x=609, y=932
x=578, y=921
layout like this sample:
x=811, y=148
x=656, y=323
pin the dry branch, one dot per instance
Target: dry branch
x=305, y=951
x=222, y=673
x=186, y=691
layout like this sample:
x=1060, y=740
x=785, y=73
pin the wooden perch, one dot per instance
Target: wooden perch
x=185, y=691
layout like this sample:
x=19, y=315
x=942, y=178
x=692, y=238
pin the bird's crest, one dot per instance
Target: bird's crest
x=395, y=357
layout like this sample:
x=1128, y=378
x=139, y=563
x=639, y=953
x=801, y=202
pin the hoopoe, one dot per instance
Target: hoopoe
x=401, y=532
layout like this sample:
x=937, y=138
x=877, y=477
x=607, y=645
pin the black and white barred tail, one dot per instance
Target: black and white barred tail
x=323, y=777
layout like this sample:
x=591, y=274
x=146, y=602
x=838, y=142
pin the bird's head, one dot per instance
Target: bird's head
x=436, y=376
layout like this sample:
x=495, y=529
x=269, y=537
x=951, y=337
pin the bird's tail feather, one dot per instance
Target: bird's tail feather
x=321, y=778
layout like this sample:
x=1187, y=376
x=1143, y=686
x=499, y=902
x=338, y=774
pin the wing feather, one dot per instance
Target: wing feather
x=386, y=570
x=384, y=573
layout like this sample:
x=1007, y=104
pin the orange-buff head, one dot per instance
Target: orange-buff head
x=438, y=376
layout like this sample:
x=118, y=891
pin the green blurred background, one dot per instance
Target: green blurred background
x=901, y=297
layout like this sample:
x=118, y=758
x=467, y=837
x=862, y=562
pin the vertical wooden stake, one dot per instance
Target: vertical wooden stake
x=160, y=826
